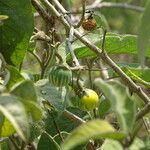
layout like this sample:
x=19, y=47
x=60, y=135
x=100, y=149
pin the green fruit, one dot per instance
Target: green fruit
x=89, y=100
x=60, y=75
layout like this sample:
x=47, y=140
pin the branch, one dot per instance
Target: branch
x=127, y=80
x=143, y=112
x=73, y=117
x=68, y=46
x=115, y=5
x=41, y=10
x=82, y=17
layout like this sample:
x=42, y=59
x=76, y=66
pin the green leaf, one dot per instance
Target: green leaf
x=103, y=108
x=111, y=145
x=16, y=31
x=47, y=92
x=114, y=44
x=57, y=137
x=34, y=110
x=13, y=76
x=3, y=17
x=25, y=90
x=144, y=33
x=138, y=145
x=47, y=142
x=121, y=103
x=138, y=75
x=94, y=129
x=13, y=110
x=65, y=123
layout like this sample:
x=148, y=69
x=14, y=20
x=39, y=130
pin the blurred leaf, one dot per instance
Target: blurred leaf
x=101, y=20
x=144, y=33
x=103, y=108
x=13, y=76
x=47, y=92
x=138, y=145
x=33, y=109
x=138, y=75
x=3, y=17
x=16, y=31
x=7, y=128
x=25, y=90
x=57, y=137
x=4, y=145
x=47, y=142
x=121, y=104
x=111, y=145
x=114, y=44
x=94, y=129
x=13, y=110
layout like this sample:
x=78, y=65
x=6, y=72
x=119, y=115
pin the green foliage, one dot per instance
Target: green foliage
x=144, y=36
x=94, y=129
x=40, y=93
x=121, y=103
x=13, y=77
x=47, y=142
x=15, y=117
x=47, y=92
x=16, y=32
x=111, y=145
x=114, y=44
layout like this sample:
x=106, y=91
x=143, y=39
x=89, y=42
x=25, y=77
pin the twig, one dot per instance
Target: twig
x=127, y=80
x=41, y=10
x=14, y=143
x=37, y=58
x=104, y=38
x=73, y=117
x=143, y=112
x=68, y=46
x=115, y=5
x=82, y=16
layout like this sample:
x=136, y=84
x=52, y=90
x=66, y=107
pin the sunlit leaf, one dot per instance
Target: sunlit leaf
x=111, y=145
x=13, y=110
x=94, y=129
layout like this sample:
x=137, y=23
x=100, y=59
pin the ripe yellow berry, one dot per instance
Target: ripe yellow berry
x=89, y=100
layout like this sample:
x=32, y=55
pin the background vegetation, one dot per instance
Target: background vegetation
x=48, y=60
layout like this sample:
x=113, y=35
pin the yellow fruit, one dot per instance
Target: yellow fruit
x=89, y=100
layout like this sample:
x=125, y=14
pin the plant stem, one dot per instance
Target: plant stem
x=103, y=55
x=14, y=143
